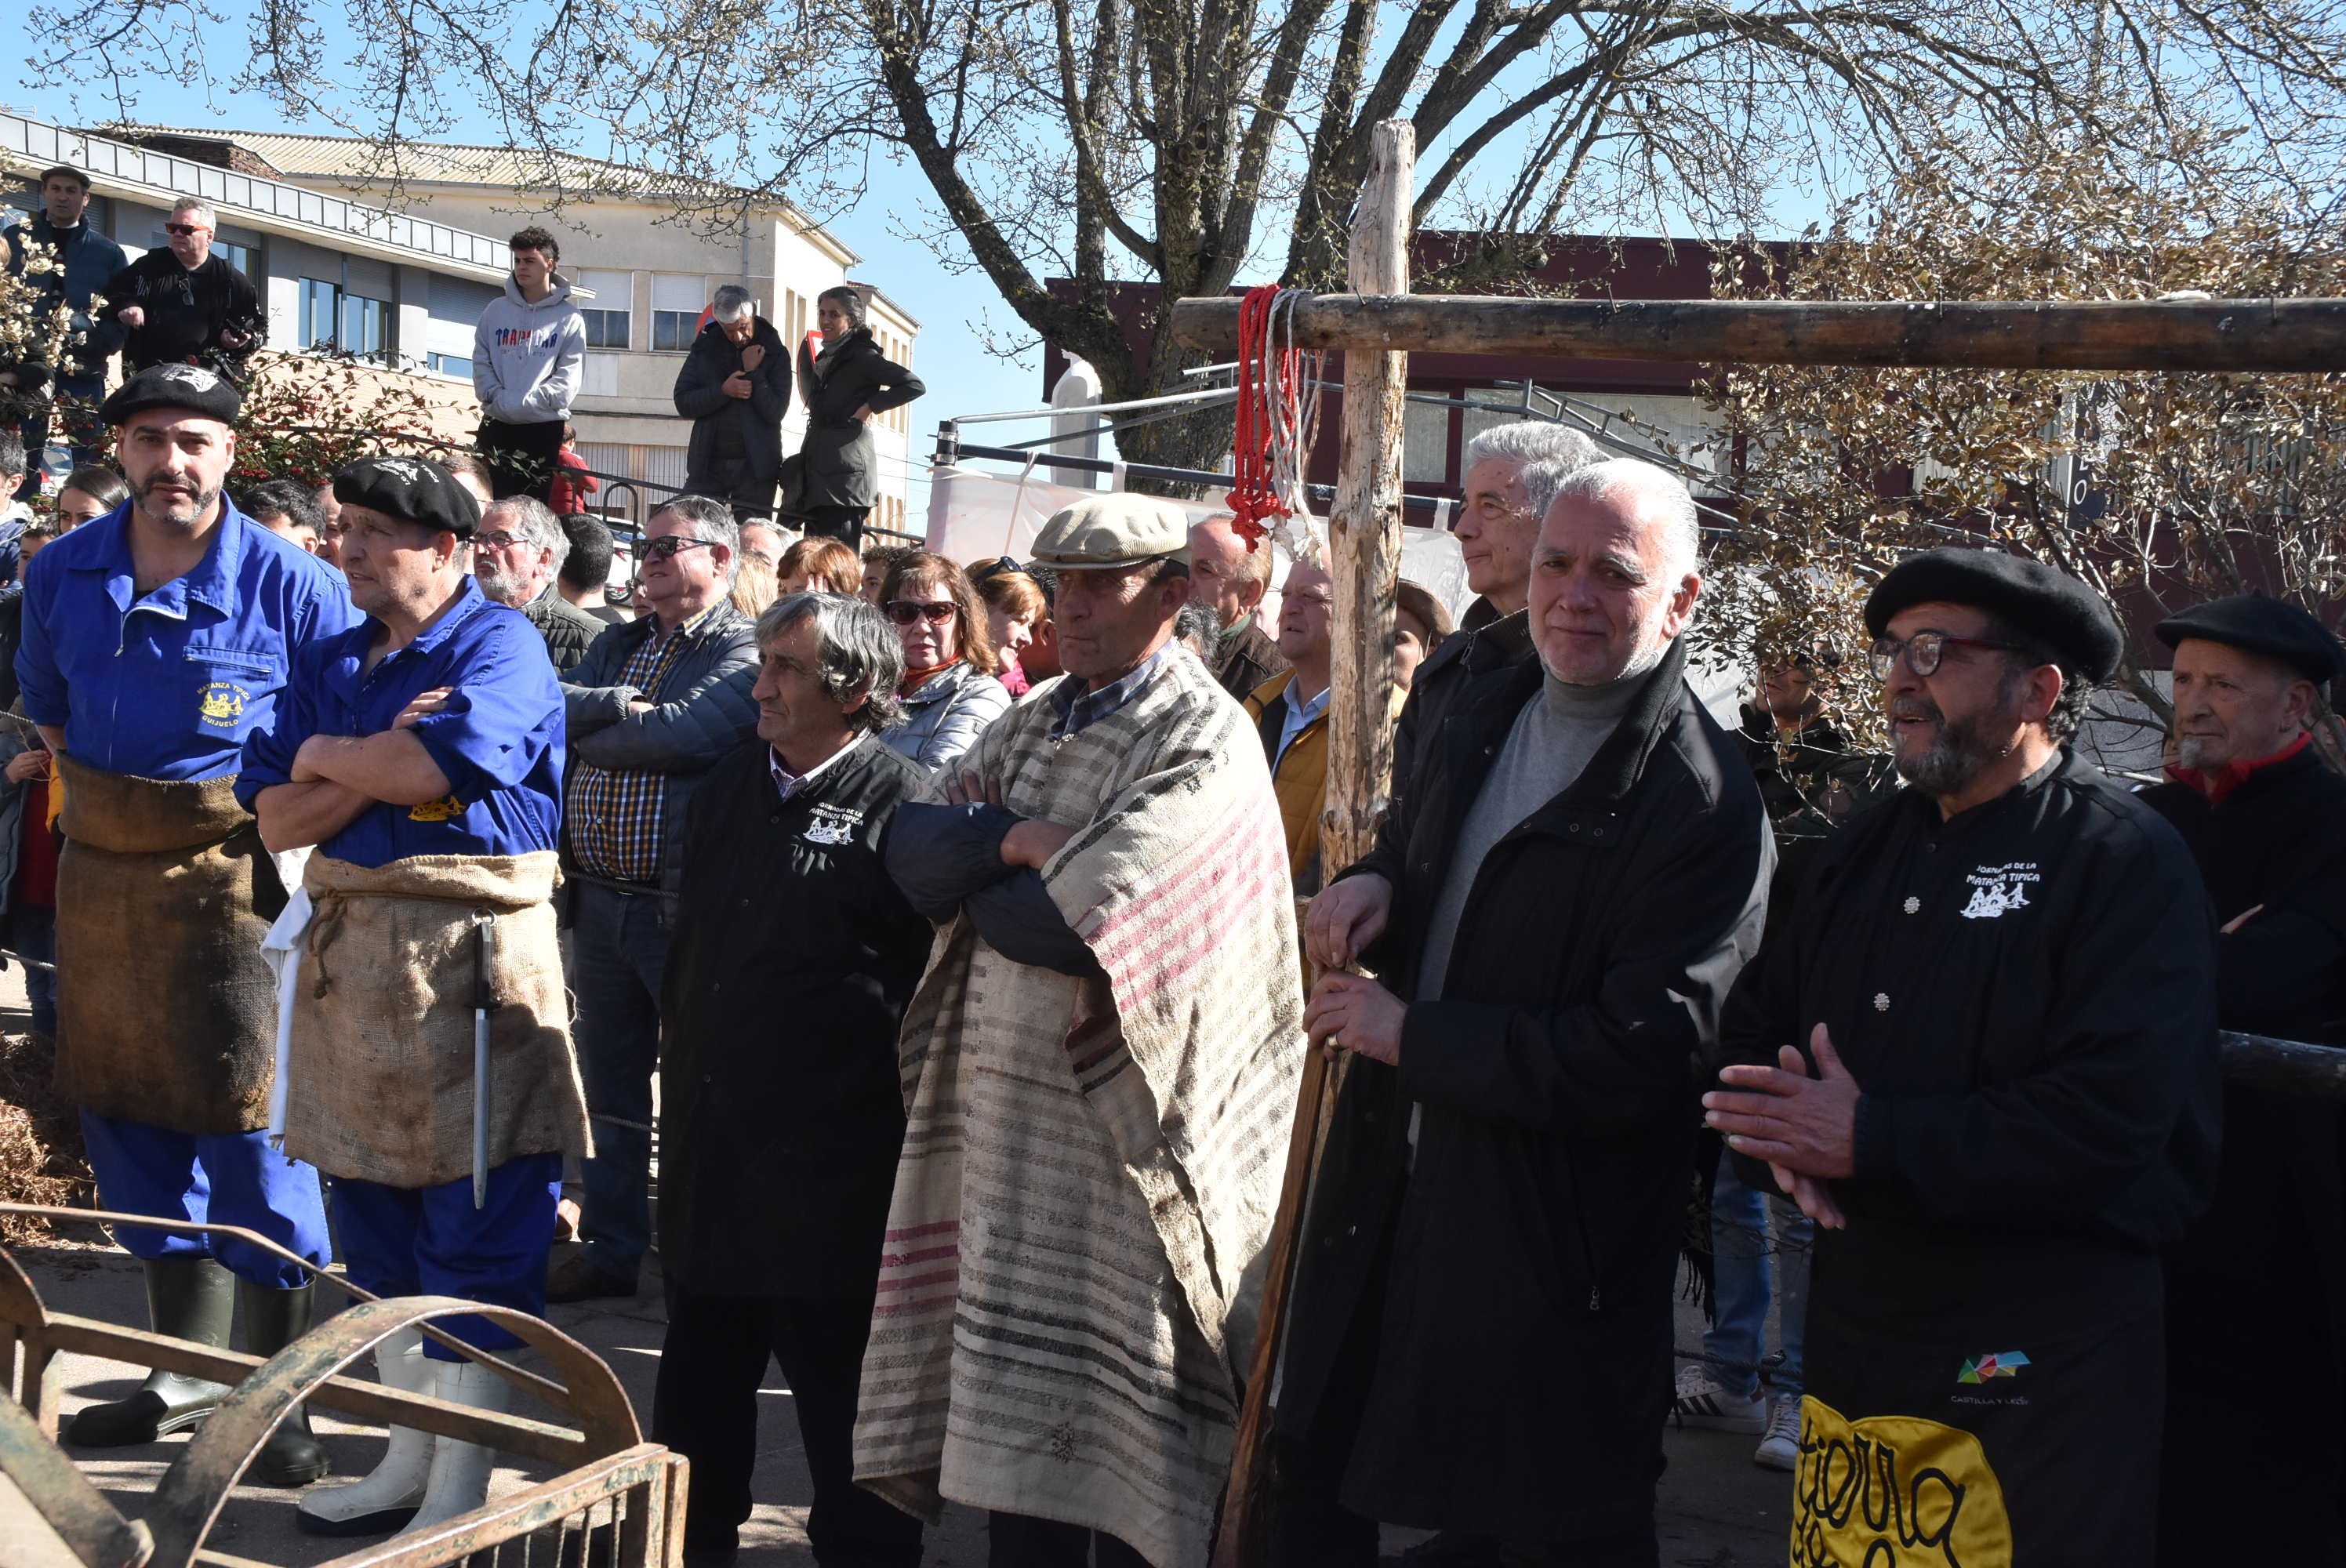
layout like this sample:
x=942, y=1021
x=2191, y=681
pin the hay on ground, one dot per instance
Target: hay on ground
x=41, y=1155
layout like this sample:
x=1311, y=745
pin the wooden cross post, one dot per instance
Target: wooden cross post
x=1364, y=529
x=1364, y=561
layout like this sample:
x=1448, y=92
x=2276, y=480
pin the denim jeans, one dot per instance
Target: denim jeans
x=1744, y=1282
x=618, y=949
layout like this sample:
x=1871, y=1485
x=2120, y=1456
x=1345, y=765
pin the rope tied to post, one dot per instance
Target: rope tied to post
x=1276, y=424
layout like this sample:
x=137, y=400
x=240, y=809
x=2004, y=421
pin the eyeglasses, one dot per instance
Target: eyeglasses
x=184, y=229
x=1317, y=601
x=1922, y=651
x=500, y=540
x=904, y=612
x=660, y=549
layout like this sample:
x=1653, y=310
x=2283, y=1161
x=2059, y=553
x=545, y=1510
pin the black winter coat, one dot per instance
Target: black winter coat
x=755, y=422
x=1537, y=1238
x=837, y=453
x=2263, y=1271
x=788, y=966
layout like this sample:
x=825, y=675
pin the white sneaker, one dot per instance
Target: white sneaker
x=1781, y=1448
x=1704, y=1402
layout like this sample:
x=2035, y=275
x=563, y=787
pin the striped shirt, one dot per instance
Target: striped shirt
x=615, y=814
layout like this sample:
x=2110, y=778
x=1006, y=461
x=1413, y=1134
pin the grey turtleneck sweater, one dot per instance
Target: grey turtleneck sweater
x=1558, y=730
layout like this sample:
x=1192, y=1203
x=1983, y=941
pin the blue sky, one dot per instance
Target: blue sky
x=955, y=309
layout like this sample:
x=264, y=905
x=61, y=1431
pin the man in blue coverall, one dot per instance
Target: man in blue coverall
x=420, y=752
x=156, y=640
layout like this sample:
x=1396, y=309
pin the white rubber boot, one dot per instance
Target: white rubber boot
x=390, y=1492
x=460, y=1470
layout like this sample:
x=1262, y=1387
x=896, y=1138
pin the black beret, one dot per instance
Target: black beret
x=190, y=387
x=412, y=489
x=2273, y=627
x=2035, y=600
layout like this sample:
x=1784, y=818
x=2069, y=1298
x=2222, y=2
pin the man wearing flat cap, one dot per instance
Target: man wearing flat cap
x=157, y=639
x=1099, y=1068
x=421, y=753
x=1980, y=1053
x=2256, y=1292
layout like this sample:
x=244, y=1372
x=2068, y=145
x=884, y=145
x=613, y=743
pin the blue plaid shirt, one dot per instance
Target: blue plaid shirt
x=1080, y=708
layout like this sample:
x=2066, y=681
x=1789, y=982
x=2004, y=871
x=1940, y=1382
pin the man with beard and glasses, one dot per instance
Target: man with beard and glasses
x=156, y=640
x=1980, y=1053
x=517, y=557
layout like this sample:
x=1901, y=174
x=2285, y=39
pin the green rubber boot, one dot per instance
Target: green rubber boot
x=187, y=1299
x=272, y=1320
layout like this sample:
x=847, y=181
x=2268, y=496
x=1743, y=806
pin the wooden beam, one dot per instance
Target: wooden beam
x=2275, y=336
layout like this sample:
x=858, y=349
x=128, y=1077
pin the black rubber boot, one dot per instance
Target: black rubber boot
x=272, y=1320
x=187, y=1299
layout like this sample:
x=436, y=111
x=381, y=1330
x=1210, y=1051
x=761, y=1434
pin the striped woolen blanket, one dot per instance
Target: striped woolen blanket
x=1074, y=1255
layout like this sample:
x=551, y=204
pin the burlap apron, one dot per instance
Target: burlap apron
x=166, y=1013
x=380, y=1066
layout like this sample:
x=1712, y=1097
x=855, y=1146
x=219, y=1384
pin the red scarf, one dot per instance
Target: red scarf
x=2232, y=775
x=916, y=678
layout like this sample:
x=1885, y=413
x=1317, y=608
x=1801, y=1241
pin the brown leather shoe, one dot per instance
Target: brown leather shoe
x=579, y=1279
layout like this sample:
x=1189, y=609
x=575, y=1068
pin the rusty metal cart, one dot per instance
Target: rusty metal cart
x=618, y=1502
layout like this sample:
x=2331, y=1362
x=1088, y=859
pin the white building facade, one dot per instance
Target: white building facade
x=405, y=286
x=645, y=260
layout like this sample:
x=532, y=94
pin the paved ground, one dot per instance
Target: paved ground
x=1717, y=1509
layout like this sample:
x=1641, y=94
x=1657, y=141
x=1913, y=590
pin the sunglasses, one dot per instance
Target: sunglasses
x=660, y=549
x=184, y=229
x=904, y=612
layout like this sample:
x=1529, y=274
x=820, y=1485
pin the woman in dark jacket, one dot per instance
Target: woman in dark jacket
x=735, y=387
x=844, y=387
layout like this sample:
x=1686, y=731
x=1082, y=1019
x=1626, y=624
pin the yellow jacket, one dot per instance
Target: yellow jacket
x=1301, y=781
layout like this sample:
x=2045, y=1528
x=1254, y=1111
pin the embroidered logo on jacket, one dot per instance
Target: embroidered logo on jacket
x=832, y=825
x=221, y=703
x=1995, y=888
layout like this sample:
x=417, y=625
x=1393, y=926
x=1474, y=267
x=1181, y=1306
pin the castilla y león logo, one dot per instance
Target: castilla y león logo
x=1995, y=1364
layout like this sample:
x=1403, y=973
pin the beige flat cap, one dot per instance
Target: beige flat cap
x=1118, y=530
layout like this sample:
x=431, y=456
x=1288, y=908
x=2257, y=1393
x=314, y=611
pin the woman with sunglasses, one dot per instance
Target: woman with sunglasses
x=949, y=691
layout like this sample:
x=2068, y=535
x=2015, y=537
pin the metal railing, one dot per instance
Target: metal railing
x=167, y=176
x=1611, y=429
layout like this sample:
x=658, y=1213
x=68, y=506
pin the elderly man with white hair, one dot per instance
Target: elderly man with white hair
x=1554, y=914
x=735, y=387
x=517, y=556
x=1512, y=473
x=183, y=305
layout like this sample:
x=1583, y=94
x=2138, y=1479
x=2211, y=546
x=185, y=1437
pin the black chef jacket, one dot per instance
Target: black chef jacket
x=2025, y=995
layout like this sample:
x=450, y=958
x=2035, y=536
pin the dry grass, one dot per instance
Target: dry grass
x=41, y=1155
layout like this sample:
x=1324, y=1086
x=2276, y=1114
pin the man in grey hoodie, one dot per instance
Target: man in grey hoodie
x=527, y=355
